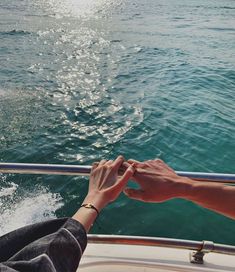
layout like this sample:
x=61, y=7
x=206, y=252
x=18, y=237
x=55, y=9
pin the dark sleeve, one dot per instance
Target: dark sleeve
x=55, y=245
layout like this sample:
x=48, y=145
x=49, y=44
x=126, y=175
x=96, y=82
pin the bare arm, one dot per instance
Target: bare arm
x=158, y=183
x=216, y=197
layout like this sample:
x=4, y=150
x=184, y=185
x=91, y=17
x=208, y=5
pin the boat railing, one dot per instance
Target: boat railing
x=84, y=170
x=200, y=247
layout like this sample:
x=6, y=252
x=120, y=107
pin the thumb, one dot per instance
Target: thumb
x=134, y=194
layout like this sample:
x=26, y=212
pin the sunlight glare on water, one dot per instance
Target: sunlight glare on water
x=81, y=8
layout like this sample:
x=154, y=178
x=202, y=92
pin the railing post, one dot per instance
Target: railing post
x=196, y=257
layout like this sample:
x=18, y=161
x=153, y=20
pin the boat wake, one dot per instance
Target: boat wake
x=19, y=208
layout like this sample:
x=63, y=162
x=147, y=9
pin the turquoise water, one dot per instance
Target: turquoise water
x=85, y=80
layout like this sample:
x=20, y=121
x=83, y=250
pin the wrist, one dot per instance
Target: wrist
x=96, y=200
x=184, y=187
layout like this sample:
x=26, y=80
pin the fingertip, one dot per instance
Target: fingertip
x=126, y=191
x=126, y=164
x=109, y=162
x=120, y=157
x=130, y=170
x=131, y=161
x=132, y=167
x=118, y=162
x=133, y=164
x=94, y=165
x=159, y=160
x=102, y=162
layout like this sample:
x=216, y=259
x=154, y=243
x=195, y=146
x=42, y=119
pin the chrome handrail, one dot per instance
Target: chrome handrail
x=84, y=170
x=199, y=246
x=47, y=169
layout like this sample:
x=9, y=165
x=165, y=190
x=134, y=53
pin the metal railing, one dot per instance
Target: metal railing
x=84, y=170
x=200, y=247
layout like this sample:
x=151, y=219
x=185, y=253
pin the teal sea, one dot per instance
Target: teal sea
x=82, y=80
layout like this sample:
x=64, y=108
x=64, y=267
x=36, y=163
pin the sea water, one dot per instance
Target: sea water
x=82, y=80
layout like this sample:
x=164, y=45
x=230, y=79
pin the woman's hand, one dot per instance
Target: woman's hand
x=105, y=185
x=157, y=181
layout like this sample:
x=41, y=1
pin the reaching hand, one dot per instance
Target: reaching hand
x=157, y=181
x=105, y=185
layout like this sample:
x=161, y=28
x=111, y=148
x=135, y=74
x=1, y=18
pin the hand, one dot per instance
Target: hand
x=157, y=181
x=105, y=185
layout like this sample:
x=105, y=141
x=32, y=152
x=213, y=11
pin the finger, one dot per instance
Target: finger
x=158, y=160
x=132, y=161
x=122, y=169
x=126, y=176
x=109, y=162
x=126, y=164
x=135, y=163
x=102, y=162
x=94, y=166
x=134, y=194
x=118, y=162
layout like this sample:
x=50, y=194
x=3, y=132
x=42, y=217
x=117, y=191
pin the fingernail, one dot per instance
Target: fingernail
x=132, y=167
x=126, y=192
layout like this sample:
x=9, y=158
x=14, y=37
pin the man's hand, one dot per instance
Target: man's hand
x=157, y=181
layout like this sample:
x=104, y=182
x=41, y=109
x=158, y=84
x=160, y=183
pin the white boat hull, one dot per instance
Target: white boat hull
x=117, y=258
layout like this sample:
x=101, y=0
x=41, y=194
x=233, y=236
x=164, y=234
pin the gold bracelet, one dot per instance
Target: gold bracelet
x=90, y=206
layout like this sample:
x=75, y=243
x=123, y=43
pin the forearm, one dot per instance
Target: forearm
x=87, y=216
x=217, y=197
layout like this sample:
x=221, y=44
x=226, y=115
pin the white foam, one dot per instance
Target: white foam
x=8, y=191
x=19, y=208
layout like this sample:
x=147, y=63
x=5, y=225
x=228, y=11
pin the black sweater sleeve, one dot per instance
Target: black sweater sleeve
x=55, y=245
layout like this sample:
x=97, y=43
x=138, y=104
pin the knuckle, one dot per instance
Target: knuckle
x=105, y=167
x=159, y=161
